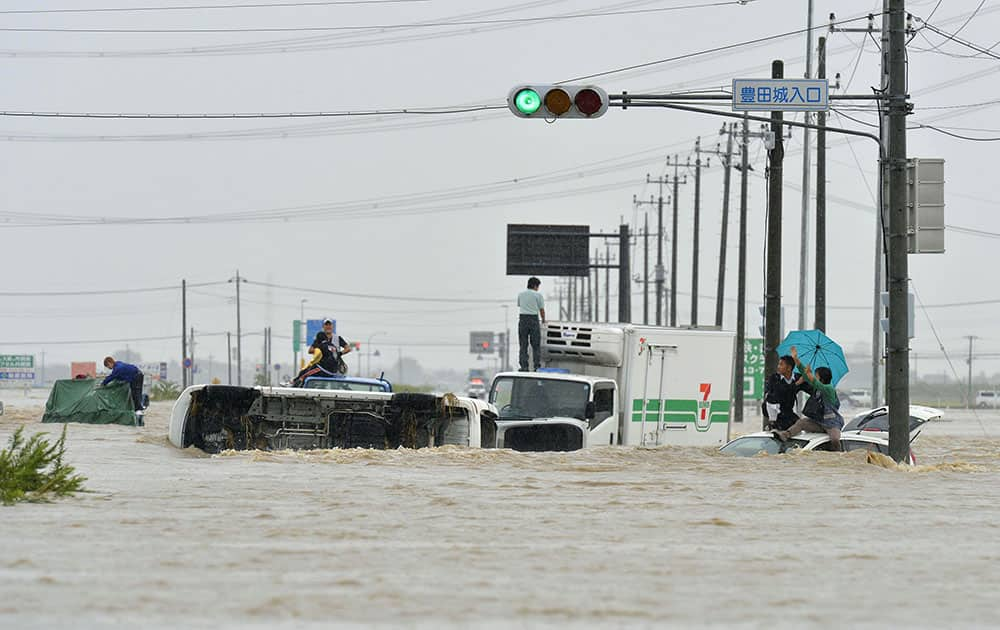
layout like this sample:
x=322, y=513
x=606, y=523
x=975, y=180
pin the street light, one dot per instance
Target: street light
x=302, y=322
x=368, y=345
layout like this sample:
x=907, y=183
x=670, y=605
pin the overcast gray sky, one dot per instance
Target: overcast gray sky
x=452, y=246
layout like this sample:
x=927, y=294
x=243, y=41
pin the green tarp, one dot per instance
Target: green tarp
x=84, y=401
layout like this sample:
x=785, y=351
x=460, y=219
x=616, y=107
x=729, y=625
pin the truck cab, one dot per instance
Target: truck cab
x=553, y=410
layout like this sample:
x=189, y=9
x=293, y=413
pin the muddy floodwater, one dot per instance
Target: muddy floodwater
x=457, y=538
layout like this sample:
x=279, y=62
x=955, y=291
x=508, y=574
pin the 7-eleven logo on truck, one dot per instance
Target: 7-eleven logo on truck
x=701, y=411
x=703, y=406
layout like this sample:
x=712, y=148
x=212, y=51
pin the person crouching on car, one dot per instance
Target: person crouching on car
x=822, y=411
x=121, y=371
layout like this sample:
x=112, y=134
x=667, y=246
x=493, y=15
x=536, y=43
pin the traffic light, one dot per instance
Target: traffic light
x=557, y=101
x=481, y=342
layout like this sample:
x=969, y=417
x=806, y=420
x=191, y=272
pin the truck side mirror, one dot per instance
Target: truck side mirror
x=590, y=411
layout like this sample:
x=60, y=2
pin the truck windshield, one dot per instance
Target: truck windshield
x=517, y=397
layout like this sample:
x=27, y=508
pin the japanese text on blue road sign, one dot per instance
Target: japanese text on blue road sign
x=780, y=95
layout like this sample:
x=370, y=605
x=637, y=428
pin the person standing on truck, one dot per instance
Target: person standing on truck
x=531, y=306
x=331, y=350
x=128, y=373
x=780, y=393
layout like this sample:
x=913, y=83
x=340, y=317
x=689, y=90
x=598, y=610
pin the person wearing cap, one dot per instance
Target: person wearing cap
x=330, y=350
x=128, y=373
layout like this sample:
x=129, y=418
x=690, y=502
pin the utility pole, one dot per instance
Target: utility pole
x=590, y=298
x=820, y=299
x=897, y=273
x=673, y=249
x=772, y=291
x=806, y=168
x=192, y=355
x=229, y=355
x=624, y=277
x=184, y=374
x=659, y=253
x=597, y=285
x=696, y=229
x=741, y=277
x=970, y=401
x=239, y=334
x=607, y=285
x=723, y=237
x=645, y=269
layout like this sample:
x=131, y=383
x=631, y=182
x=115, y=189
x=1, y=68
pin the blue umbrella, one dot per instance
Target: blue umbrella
x=816, y=350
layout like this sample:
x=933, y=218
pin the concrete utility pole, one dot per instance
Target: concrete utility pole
x=607, y=286
x=820, y=299
x=970, y=401
x=597, y=285
x=696, y=230
x=645, y=269
x=772, y=291
x=624, y=277
x=239, y=334
x=229, y=355
x=184, y=374
x=897, y=358
x=727, y=161
x=659, y=253
x=590, y=298
x=741, y=281
x=806, y=168
x=192, y=355
x=673, y=250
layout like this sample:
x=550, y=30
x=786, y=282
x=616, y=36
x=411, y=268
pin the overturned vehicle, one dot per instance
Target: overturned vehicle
x=215, y=418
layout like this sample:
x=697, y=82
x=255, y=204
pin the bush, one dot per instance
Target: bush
x=164, y=390
x=33, y=470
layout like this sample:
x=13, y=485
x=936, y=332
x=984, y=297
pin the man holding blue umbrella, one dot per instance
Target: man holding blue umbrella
x=823, y=364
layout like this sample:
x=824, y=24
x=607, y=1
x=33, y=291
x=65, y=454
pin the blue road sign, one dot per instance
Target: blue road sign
x=314, y=326
x=771, y=95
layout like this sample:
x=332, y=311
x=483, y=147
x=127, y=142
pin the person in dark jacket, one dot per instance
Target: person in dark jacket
x=332, y=348
x=780, y=392
x=121, y=371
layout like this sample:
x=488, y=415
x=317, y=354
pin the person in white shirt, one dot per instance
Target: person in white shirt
x=531, y=306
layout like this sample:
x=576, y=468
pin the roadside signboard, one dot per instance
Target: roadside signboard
x=17, y=368
x=87, y=369
x=314, y=326
x=18, y=361
x=773, y=95
x=753, y=371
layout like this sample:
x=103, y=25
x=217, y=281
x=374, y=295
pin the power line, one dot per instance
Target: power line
x=369, y=27
x=372, y=296
x=103, y=291
x=198, y=7
x=706, y=51
x=416, y=111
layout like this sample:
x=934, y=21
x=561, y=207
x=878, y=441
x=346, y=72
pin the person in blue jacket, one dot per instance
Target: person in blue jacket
x=121, y=371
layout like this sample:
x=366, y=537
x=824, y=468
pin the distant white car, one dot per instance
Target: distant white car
x=476, y=389
x=987, y=400
x=868, y=431
x=860, y=398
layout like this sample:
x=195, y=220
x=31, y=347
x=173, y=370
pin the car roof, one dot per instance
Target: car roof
x=811, y=438
x=349, y=379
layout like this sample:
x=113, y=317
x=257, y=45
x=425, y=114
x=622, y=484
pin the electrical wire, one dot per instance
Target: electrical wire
x=370, y=27
x=175, y=287
x=960, y=28
x=371, y=296
x=199, y=7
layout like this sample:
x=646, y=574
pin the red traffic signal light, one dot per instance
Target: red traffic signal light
x=557, y=101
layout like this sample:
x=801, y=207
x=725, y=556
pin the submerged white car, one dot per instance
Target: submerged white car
x=868, y=431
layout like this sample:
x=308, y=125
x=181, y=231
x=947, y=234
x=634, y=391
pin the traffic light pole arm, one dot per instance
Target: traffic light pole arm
x=625, y=101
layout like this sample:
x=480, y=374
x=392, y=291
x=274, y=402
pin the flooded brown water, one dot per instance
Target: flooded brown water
x=455, y=537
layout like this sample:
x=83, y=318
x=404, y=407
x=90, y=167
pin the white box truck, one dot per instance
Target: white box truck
x=618, y=384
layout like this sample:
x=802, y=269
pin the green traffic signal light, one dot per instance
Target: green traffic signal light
x=527, y=101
